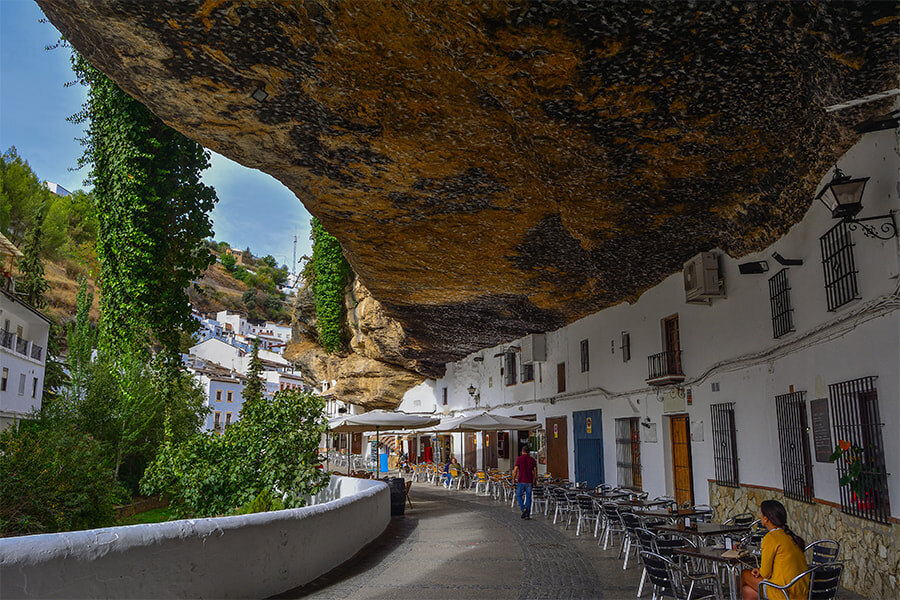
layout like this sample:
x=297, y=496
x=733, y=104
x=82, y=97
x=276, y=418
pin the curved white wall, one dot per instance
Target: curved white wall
x=225, y=557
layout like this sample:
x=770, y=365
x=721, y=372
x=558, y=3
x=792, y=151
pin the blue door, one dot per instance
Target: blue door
x=588, y=446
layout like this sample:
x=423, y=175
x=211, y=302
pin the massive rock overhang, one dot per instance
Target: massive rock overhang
x=497, y=168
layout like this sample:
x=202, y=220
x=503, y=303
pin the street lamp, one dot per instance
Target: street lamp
x=843, y=198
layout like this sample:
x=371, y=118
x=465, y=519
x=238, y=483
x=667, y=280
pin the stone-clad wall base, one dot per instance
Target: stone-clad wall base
x=870, y=551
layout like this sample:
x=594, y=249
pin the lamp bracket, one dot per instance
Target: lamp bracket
x=886, y=231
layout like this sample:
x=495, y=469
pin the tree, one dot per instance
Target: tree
x=31, y=283
x=228, y=262
x=271, y=449
x=152, y=216
x=254, y=390
x=81, y=339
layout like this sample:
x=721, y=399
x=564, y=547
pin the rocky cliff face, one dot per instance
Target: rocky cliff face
x=374, y=372
x=503, y=167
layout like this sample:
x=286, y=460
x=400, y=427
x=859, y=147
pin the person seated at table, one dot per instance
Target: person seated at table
x=782, y=555
x=449, y=469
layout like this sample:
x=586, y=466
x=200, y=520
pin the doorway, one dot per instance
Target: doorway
x=557, y=448
x=490, y=449
x=588, y=431
x=470, y=459
x=672, y=345
x=682, y=471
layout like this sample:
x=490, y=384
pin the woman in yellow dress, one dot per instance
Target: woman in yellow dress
x=782, y=555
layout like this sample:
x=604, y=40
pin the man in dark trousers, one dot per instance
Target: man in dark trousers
x=525, y=476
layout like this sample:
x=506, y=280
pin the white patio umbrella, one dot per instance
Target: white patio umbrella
x=378, y=419
x=484, y=421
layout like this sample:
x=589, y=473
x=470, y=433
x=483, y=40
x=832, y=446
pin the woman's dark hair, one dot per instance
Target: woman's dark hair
x=777, y=514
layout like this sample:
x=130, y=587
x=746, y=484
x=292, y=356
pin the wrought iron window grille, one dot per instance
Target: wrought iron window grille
x=780, y=303
x=724, y=436
x=628, y=453
x=857, y=423
x=793, y=443
x=839, y=266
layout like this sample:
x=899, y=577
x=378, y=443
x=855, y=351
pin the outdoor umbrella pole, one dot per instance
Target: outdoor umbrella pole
x=377, y=456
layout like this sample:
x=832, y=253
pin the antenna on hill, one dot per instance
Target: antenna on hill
x=294, y=263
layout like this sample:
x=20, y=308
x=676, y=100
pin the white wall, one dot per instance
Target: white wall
x=730, y=343
x=223, y=406
x=276, y=551
x=18, y=319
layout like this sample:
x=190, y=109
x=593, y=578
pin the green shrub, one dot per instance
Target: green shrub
x=54, y=478
x=331, y=272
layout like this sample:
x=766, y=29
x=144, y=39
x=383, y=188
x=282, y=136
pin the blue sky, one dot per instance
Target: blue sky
x=254, y=209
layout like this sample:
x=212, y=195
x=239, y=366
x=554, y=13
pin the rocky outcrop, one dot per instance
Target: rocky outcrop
x=373, y=372
x=495, y=168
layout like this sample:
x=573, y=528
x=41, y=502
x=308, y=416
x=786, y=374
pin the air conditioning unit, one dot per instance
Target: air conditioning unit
x=702, y=282
x=534, y=348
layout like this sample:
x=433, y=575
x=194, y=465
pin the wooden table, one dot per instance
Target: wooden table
x=733, y=565
x=642, y=503
x=665, y=514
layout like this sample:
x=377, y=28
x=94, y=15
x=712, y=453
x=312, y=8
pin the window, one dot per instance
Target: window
x=780, y=302
x=444, y=396
x=855, y=415
x=560, y=377
x=34, y=387
x=510, y=370
x=217, y=420
x=502, y=444
x=22, y=384
x=626, y=346
x=227, y=420
x=585, y=357
x=218, y=395
x=839, y=267
x=527, y=372
x=4, y=379
x=230, y=396
x=793, y=441
x=724, y=444
x=628, y=453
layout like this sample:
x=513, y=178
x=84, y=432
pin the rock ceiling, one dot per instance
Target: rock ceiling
x=494, y=168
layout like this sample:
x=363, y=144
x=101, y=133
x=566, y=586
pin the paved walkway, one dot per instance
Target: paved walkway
x=457, y=545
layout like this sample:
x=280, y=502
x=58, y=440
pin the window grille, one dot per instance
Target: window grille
x=626, y=346
x=510, y=371
x=628, y=453
x=724, y=444
x=793, y=442
x=560, y=377
x=780, y=301
x=527, y=372
x=444, y=396
x=585, y=357
x=840, y=269
x=855, y=416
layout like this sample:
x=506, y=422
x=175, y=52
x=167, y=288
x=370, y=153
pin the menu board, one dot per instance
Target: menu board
x=821, y=427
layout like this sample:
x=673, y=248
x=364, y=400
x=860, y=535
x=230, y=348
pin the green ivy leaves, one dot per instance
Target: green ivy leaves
x=331, y=271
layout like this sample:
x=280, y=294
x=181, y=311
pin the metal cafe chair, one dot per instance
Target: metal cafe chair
x=742, y=520
x=823, y=551
x=539, y=499
x=824, y=581
x=630, y=522
x=613, y=523
x=668, y=579
x=645, y=539
x=587, y=512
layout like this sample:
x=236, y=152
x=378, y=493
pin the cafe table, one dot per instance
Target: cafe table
x=702, y=531
x=642, y=503
x=667, y=514
x=723, y=562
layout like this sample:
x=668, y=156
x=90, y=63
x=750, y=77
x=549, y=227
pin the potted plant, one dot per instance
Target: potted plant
x=857, y=476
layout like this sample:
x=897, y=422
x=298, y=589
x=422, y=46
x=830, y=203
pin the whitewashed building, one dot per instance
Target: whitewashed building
x=236, y=357
x=24, y=331
x=272, y=336
x=224, y=396
x=731, y=399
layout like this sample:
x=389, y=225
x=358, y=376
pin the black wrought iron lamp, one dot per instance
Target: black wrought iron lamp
x=843, y=197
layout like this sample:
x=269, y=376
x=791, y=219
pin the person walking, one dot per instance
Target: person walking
x=525, y=475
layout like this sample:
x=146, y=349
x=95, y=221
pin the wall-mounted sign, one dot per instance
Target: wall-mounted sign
x=689, y=395
x=587, y=423
x=556, y=430
x=821, y=426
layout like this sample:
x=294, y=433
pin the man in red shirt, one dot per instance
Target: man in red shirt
x=525, y=475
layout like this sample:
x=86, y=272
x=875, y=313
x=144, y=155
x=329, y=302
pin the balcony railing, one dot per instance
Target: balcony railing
x=36, y=352
x=22, y=346
x=6, y=338
x=665, y=367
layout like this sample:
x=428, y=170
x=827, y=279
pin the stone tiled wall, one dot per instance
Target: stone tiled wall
x=870, y=551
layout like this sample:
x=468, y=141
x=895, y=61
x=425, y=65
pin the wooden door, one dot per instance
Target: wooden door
x=355, y=443
x=470, y=460
x=413, y=455
x=682, y=472
x=672, y=344
x=490, y=450
x=557, y=448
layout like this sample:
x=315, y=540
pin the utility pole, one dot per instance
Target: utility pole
x=294, y=263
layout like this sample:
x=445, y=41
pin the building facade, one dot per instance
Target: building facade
x=23, y=357
x=733, y=400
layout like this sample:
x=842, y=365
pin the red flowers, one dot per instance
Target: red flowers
x=844, y=445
